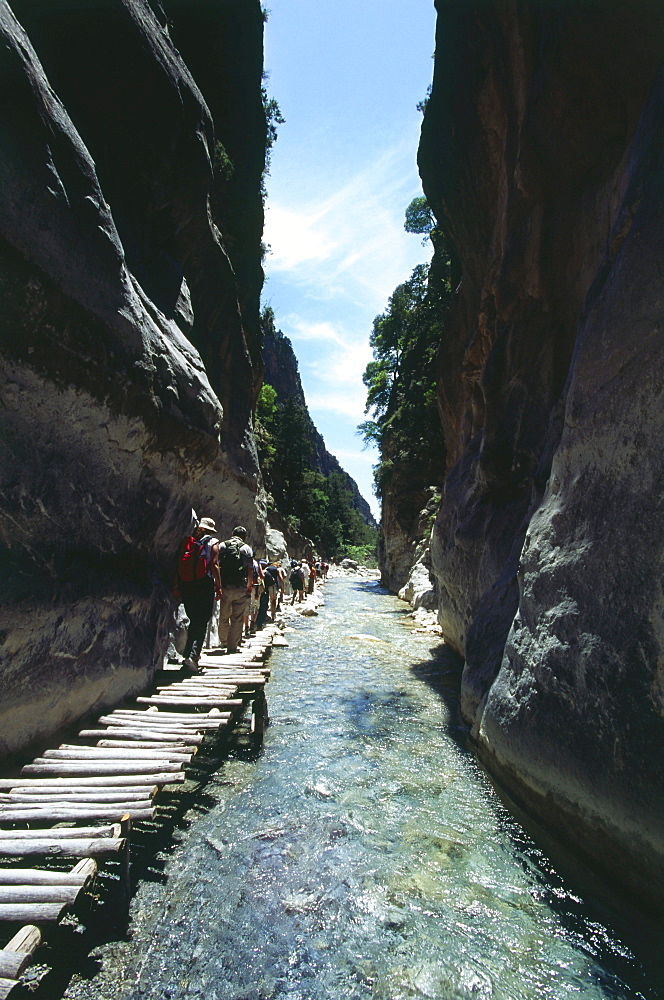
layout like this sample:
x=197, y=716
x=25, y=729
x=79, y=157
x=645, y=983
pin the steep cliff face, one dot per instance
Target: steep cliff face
x=541, y=156
x=281, y=372
x=127, y=376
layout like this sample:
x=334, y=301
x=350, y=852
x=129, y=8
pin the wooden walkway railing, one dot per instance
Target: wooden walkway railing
x=111, y=775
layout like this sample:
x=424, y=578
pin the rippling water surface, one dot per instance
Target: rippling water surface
x=362, y=853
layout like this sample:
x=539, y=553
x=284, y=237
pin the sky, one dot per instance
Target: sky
x=347, y=75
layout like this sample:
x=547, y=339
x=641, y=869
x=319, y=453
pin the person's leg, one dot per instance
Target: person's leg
x=263, y=605
x=199, y=605
x=238, y=604
x=224, y=617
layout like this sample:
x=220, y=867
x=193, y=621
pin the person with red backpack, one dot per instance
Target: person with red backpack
x=199, y=584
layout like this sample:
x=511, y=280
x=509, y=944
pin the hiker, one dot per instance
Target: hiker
x=198, y=586
x=251, y=612
x=264, y=599
x=282, y=585
x=297, y=583
x=273, y=587
x=312, y=578
x=237, y=579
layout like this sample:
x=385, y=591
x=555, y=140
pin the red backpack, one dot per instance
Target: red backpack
x=193, y=562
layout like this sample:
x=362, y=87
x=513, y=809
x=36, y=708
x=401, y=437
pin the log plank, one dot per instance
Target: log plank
x=82, y=753
x=35, y=876
x=98, y=769
x=92, y=781
x=18, y=952
x=64, y=833
x=63, y=894
x=94, y=847
x=140, y=736
x=159, y=699
x=160, y=717
x=67, y=813
x=189, y=723
x=34, y=913
x=80, y=795
x=183, y=748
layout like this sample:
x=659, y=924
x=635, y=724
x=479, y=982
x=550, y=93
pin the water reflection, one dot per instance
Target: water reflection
x=363, y=854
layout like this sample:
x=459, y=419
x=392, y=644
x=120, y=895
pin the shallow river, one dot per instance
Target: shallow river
x=362, y=853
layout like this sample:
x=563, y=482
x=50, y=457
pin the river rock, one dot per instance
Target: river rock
x=547, y=548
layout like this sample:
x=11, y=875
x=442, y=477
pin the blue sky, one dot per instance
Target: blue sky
x=347, y=76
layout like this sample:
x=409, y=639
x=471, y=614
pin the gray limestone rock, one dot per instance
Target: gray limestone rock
x=111, y=425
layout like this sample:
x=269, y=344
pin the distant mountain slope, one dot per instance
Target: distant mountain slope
x=282, y=373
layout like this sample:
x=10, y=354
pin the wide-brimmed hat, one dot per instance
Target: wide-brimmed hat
x=207, y=523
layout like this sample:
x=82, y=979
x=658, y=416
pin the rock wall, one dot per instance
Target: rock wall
x=541, y=156
x=127, y=337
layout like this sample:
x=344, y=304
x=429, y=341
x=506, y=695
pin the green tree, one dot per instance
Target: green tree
x=419, y=218
x=265, y=425
x=401, y=379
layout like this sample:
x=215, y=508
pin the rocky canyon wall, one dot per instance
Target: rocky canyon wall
x=542, y=156
x=129, y=337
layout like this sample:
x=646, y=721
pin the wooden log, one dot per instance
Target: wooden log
x=211, y=685
x=117, y=769
x=17, y=953
x=63, y=894
x=37, y=913
x=7, y=987
x=202, y=684
x=85, y=808
x=105, y=753
x=35, y=876
x=194, y=696
x=233, y=677
x=183, y=748
x=189, y=723
x=161, y=717
x=65, y=813
x=86, y=847
x=100, y=781
x=64, y=833
x=211, y=702
x=141, y=736
x=80, y=795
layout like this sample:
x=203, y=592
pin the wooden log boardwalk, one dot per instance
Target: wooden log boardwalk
x=79, y=800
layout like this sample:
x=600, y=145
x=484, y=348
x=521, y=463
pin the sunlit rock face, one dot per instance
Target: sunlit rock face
x=126, y=342
x=542, y=156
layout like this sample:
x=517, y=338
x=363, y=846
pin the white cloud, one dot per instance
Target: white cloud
x=352, y=243
x=294, y=239
x=332, y=364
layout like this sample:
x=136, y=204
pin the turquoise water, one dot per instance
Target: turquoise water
x=362, y=853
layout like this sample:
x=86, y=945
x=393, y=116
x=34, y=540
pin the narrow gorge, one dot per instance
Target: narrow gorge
x=528, y=513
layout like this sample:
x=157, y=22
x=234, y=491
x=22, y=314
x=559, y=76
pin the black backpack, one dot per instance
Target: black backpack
x=271, y=571
x=232, y=566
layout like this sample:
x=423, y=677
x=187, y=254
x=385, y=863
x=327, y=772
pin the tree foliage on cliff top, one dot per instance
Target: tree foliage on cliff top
x=401, y=380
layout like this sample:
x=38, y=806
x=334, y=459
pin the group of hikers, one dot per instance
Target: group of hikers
x=209, y=570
